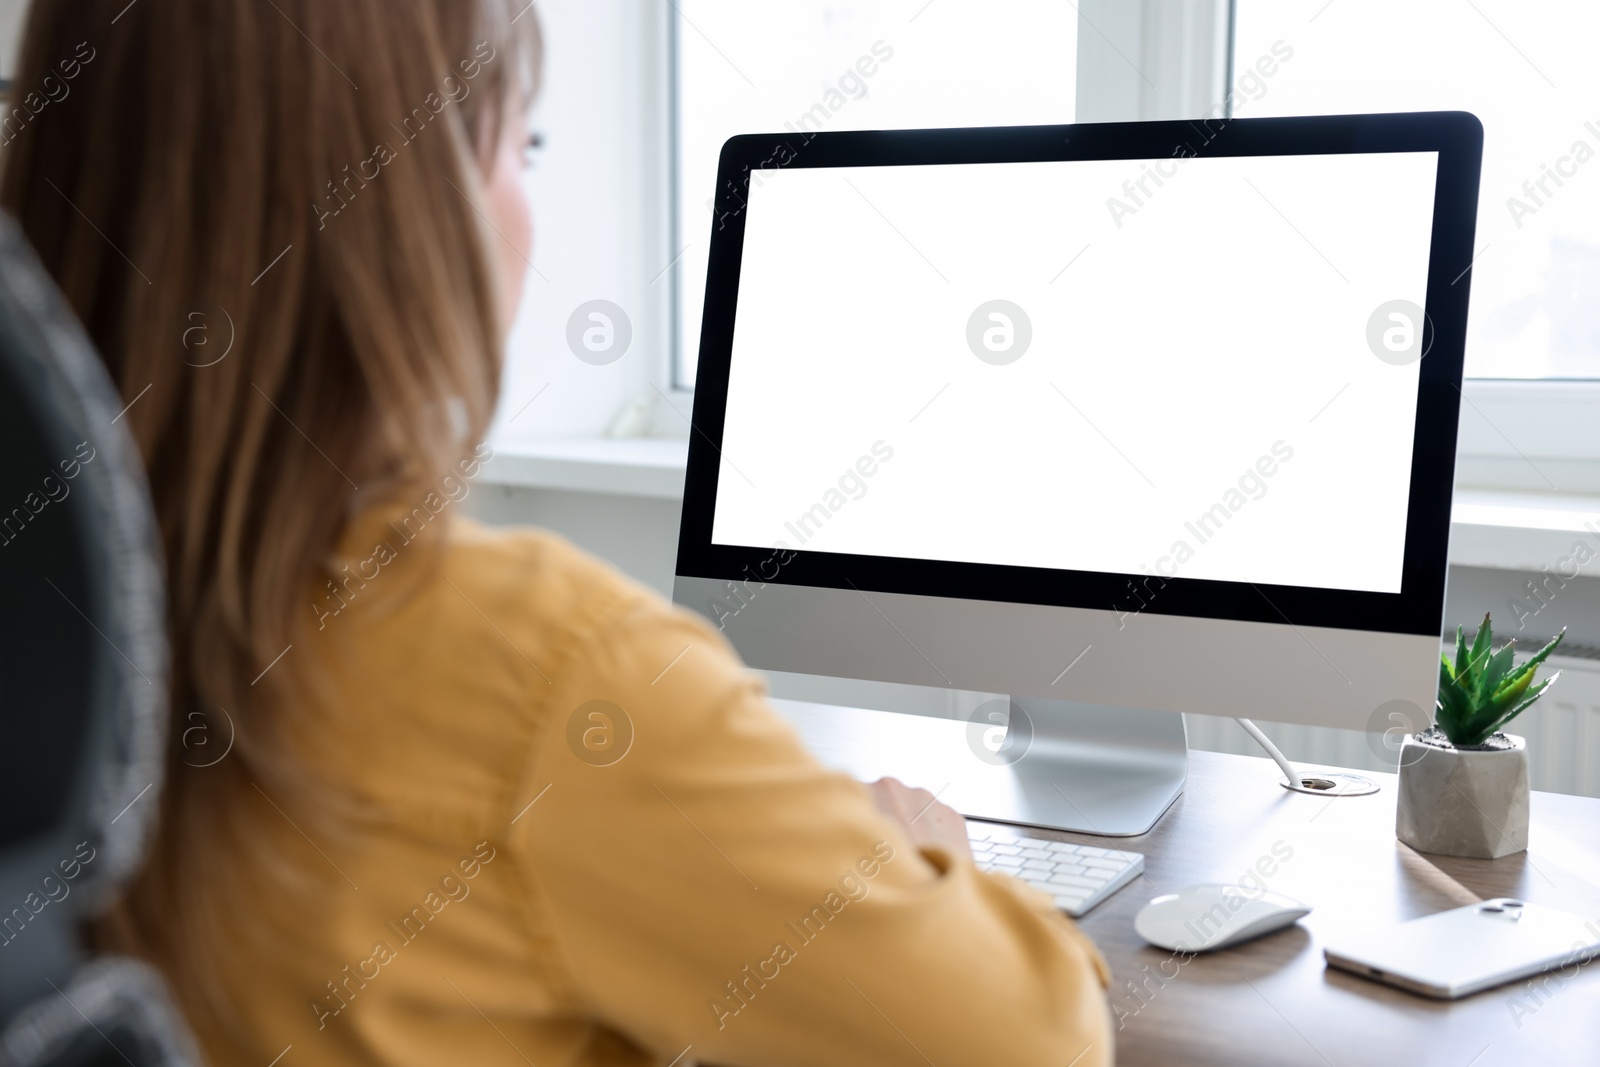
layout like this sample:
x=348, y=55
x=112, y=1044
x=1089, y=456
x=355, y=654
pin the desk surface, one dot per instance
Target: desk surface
x=1273, y=1001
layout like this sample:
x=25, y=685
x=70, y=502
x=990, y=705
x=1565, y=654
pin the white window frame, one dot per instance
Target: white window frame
x=1116, y=40
x=1535, y=435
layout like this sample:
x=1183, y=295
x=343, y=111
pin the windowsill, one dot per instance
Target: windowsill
x=648, y=467
x=1521, y=531
x=1492, y=528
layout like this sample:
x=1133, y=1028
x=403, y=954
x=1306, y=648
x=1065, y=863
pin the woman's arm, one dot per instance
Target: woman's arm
x=713, y=888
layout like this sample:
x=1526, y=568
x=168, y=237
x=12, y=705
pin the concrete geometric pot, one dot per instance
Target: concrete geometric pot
x=1463, y=801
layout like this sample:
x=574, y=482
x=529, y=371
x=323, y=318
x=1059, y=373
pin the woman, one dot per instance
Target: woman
x=439, y=793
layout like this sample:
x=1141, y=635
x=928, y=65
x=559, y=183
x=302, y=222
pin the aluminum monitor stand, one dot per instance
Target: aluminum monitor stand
x=1088, y=768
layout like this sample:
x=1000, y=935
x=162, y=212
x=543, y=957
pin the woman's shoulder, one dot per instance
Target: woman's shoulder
x=514, y=562
x=529, y=597
x=412, y=578
x=449, y=658
x=594, y=637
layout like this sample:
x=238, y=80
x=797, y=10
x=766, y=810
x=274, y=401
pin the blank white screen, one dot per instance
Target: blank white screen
x=1178, y=352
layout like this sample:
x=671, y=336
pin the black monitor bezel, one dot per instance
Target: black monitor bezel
x=1416, y=609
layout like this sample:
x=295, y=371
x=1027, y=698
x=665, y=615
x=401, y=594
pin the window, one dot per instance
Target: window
x=1525, y=68
x=812, y=65
x=1533, y=346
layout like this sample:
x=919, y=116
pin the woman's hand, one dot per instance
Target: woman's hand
x=927, y=821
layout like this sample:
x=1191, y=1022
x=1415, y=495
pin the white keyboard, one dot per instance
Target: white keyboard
x=1077, y=876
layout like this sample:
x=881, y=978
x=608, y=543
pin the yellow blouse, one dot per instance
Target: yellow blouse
x=598, y=844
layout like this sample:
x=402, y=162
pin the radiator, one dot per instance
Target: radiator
x=1563, y=732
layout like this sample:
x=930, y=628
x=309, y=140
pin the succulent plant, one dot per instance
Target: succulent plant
x=1482, y=691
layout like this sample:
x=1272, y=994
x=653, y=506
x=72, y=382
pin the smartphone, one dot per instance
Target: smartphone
x=1460, y=952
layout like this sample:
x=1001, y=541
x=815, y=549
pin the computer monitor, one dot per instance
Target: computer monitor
x=1119, y=419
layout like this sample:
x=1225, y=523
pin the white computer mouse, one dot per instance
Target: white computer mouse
x=1206, y=917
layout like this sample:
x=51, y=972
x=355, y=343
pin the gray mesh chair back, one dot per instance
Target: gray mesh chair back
x=82, y=690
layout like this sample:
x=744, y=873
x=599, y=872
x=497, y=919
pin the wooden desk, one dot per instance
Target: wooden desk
x=1273, y=1001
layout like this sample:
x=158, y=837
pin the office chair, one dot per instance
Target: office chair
x=82, y=691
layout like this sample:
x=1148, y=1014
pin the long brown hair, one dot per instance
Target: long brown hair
x=265, y=214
